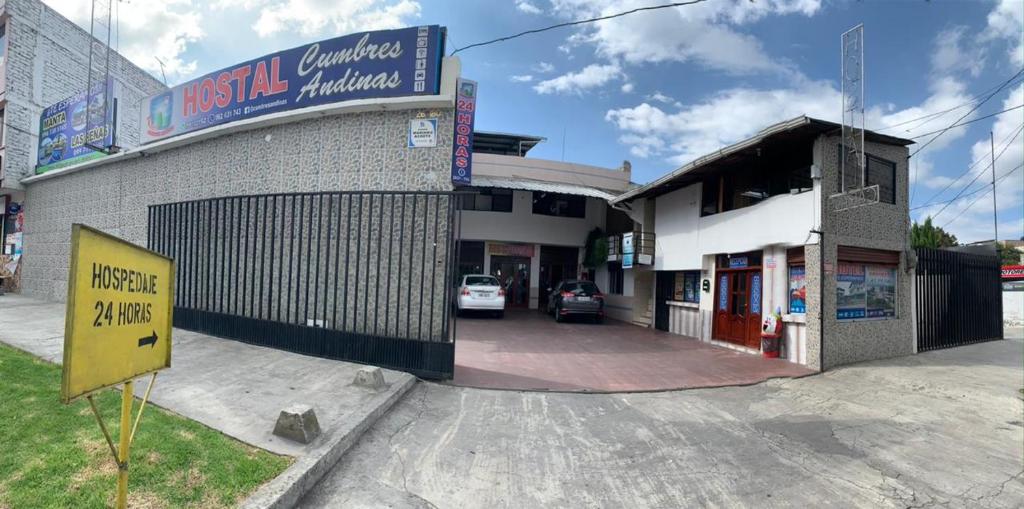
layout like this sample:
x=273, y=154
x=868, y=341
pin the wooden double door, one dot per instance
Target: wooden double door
x=737, y=316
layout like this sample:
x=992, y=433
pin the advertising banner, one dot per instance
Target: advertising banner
x=386, y=63
x=465, y=117
x=422, y=132
x=851, y=296
x=62, y=134
x=797, y=289
x=627, y=250
x=880, y=283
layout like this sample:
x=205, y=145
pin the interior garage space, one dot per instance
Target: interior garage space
x=528, y=350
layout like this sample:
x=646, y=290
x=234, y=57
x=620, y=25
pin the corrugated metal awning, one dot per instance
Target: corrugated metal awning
x=536, y=185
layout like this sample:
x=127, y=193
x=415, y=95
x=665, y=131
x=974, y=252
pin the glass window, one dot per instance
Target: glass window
x=883, y=174
x=616, y=278
x=865, y=291
x=687, y=286
x=580, y=288
x=561, y=205
x=488, y=200
x=481, y=281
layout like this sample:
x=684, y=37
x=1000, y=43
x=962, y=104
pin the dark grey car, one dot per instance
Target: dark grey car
x=574, y=297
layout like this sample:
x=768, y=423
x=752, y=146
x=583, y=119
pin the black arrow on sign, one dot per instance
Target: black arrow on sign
x=148, y=340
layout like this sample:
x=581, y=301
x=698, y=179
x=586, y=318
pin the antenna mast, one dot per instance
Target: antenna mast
x=98, y=93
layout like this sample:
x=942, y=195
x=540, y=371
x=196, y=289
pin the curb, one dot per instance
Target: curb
x=285, y=490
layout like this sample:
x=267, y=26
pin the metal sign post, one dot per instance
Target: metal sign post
x=118, y=327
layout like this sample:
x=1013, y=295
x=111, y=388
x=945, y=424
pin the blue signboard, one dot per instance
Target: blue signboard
x=62, y=133
x=386, y=63
x=465, y=117
x=737, y=262
x=627, y=250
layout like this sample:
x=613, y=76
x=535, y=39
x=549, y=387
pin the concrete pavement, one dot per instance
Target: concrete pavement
x=940, y=428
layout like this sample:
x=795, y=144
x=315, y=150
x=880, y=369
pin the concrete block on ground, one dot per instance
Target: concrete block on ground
x=298, y=423
x=370, y=377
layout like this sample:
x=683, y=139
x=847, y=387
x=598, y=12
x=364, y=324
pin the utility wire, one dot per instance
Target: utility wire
x=932, y=115
x=972, y=193
x=962, y=175
x=980, y=173
x=1019, y=166
x=578, y=22
x=1017, y=107
x=972, y=110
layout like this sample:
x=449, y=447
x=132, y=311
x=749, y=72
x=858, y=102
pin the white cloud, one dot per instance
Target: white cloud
x=542, y=67
x=627, y=88
x=698, y=129
x=146, y=30
x=701, y=33
x=316, y=17
x=1005, y=21
x=527, y=7
x=591, y=76
x=975, y=212
x=662, y=98
x=954, y=52
x=521, y=78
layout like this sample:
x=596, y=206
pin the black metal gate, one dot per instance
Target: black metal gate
x=959, y=299
x=359, y=276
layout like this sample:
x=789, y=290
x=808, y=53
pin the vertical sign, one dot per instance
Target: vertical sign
x=797, y=289
x=462, y=149
x=627, y=250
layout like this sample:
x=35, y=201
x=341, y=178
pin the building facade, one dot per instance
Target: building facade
x=44, y=59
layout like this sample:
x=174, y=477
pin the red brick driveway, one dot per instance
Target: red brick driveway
x=527, y=350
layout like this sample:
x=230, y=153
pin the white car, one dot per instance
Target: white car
x=480, y=292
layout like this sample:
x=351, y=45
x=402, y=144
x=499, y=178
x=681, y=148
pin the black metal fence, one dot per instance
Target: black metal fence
x=357, y=276
x=959, y=299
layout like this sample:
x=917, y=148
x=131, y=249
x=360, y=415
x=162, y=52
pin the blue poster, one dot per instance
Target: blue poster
x=737, y=262
x=465, y=117
x=62, y=129
x=880, y=283
x=386, y=63
x=755, y=293
x=627, y=250
x=723, y=292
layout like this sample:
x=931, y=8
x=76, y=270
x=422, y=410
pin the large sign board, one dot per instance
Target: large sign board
x=386, y=63
x=62, y=129
x=1012, y=271
x=465, y=117
x=119, y=313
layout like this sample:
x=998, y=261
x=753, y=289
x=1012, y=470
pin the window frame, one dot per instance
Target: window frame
x=868, y=158
x=491, y=193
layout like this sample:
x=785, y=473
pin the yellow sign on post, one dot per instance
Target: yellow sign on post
x=117, y=328
x=119, y=312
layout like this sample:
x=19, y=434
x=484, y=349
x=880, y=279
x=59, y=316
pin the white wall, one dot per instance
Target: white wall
x=683, y=236
x=1013, y=308
x=522, y=225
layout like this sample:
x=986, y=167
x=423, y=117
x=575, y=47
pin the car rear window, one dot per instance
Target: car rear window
x=481, y=281
x=581, y=288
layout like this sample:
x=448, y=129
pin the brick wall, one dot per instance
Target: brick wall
x=47, y=57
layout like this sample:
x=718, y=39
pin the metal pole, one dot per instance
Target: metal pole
x=995, y=222
x=122, y=450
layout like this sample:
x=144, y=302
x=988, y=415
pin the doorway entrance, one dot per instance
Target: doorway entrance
x=737, y=316
x=513, y=272
x=556, y=264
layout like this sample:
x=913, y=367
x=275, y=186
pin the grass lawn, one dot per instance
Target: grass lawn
x=52, y=455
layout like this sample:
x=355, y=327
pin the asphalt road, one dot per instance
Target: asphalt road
x=940, y=428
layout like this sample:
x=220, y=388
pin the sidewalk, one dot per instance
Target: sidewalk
x=233, y=387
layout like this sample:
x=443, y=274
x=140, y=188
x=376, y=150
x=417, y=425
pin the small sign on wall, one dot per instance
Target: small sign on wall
x=422, y=132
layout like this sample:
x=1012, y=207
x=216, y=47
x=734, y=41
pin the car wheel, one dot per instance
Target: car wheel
x=499, y=315
x=558, y=314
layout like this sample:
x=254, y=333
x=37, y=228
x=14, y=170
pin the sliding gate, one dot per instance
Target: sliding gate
x=959, y=299
x=356, y=276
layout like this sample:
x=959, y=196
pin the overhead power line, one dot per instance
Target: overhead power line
x=578, y=22
x=976, y=177
x=1017, y=107
x=932, y=116
x=987, y=189
x=972, y=110
x=974, y=163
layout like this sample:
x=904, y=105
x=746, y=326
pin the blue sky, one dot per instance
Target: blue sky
x=663, y=87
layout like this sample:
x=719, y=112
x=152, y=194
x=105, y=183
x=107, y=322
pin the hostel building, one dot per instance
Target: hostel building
x=321, y=204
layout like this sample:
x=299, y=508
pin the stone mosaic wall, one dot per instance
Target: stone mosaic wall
x=364, y=151
x=878, y=226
